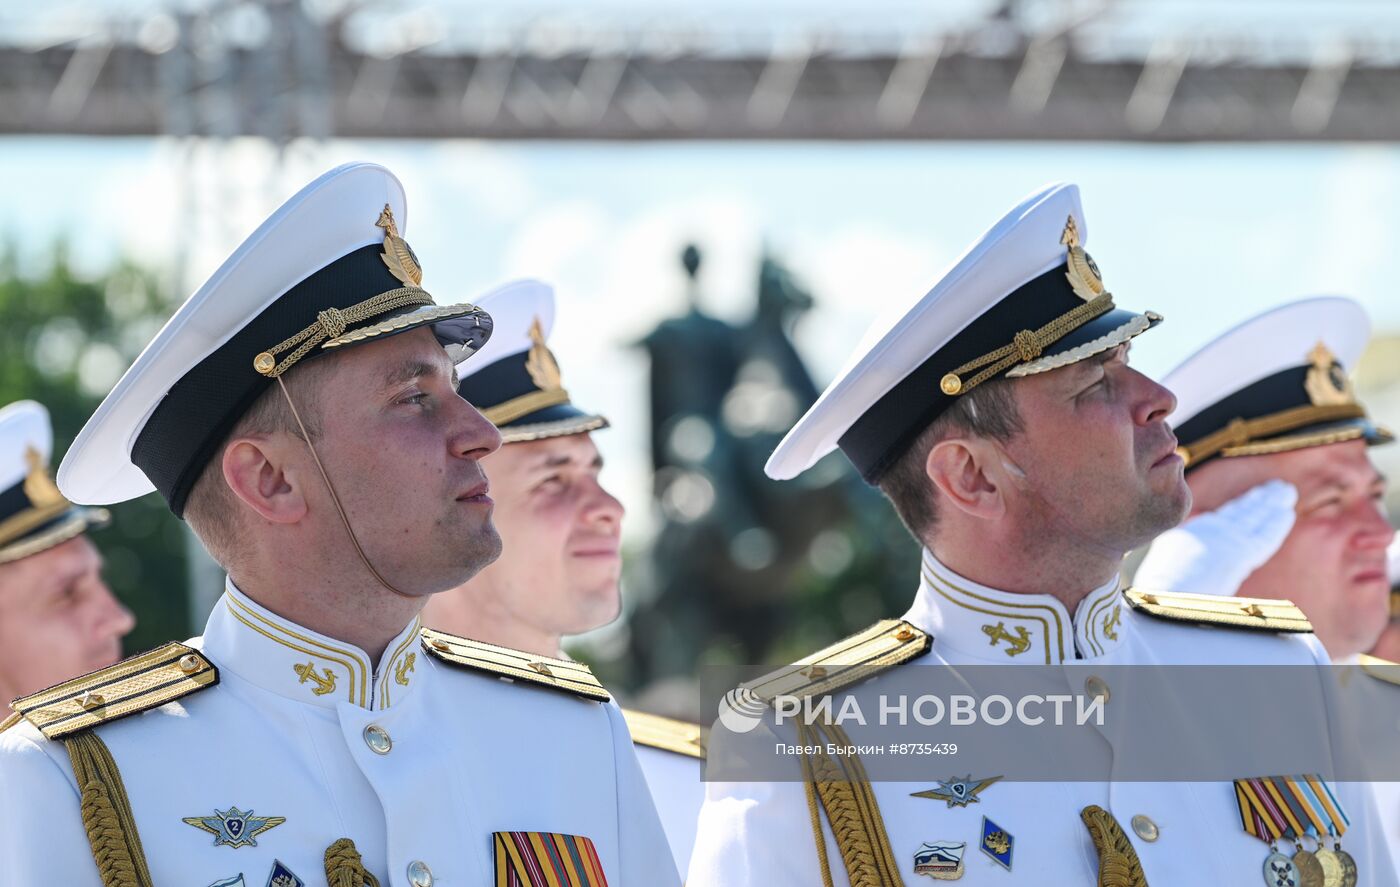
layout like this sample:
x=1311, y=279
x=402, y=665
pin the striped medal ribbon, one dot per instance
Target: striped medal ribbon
x=1314, y=804
x=1267, y=817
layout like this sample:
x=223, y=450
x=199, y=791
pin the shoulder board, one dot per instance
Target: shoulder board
x=1259, y=614
x=503, y=662
x=14, y=718
x=134, y=685
x=667, y=734
x=1380, y=669
x=863, y=655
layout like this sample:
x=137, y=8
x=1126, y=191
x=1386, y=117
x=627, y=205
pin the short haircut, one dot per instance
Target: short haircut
x=989, y=410
x=212, y=510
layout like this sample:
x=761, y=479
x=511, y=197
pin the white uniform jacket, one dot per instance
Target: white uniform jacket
x=303, y=741
x=759, y=834
x=674, y=780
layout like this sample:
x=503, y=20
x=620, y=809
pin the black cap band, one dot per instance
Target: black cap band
x=886, y=430
x=195, y=417
x=1275, y=414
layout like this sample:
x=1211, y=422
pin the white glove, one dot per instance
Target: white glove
x=1214, y=552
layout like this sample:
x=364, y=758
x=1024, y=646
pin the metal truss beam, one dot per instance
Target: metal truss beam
x=307, y=82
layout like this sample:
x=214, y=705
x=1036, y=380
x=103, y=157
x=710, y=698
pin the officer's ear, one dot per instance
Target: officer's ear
x=964, y=471
x=256, y=469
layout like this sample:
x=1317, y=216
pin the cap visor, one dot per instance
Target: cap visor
x=1095, y=337
x=1314, y=436
x=537, y=429
x=462, y=329
x=73, y=522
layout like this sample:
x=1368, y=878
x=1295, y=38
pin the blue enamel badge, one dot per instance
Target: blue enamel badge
x=283, y=877
x=997, y=843
x=233, y=827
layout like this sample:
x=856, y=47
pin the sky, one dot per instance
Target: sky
x=1206, y=235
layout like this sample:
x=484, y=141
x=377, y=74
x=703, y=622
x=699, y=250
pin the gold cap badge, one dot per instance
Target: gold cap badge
x=1327, y=383
x=1083, y=273
x=398, y=255
x=540, y=362
x=38, y=486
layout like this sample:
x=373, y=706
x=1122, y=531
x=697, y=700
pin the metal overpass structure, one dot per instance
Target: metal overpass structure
x=289, y=69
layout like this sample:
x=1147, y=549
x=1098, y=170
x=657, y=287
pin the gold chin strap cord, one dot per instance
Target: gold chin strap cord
x=354, y=540
x=106, y=813
x=344, y=868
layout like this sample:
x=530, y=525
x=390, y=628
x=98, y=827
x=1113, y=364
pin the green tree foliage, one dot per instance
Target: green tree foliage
x=64, y=342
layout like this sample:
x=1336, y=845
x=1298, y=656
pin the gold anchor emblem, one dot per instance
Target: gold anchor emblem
x=1016, y=644
x=324, y=684
x=403, y=668
x=1110, y=625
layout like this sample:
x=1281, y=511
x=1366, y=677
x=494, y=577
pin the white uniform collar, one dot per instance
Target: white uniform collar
x=1007, y=627
x=300, y=664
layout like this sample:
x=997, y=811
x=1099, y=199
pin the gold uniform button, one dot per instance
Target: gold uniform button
x=1097, y=687
x=377, y=738
x=1145, y=828
x=419, y=875
x=189, y=664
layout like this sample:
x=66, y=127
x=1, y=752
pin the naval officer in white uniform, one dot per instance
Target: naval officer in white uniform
x=560, y=568
x=1000, y=415
x=1286, y=501
x=58, y=619
x=300, y=411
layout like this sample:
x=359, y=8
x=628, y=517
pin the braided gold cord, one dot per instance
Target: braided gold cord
x=809, y=783
x=870, y=809
x=332, y=323
x=1025, y=346
x=106, y=814
x=344, y=868
x=851, y=808
x=1244, y=431
x=1119, y=865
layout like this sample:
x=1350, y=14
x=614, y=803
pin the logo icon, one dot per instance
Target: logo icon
x=741, y=710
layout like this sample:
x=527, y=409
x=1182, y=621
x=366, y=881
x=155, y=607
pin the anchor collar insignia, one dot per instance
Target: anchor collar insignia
x=257, y=645
x=1002, y=627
